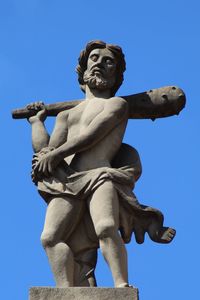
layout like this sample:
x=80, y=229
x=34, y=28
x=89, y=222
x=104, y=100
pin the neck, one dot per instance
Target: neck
x=97, y=93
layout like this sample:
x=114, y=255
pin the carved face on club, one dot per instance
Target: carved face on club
x=101, y=69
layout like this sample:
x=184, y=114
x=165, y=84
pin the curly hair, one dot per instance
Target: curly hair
x=83, y=58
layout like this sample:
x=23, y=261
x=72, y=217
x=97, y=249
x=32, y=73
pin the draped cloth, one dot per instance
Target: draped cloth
x=134, y=217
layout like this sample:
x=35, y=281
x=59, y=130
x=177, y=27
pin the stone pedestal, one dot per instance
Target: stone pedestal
x=83, y=293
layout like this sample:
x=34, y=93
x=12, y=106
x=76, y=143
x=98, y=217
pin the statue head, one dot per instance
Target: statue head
x=120, y=67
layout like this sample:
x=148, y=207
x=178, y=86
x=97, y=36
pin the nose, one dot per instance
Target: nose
x=99, y=62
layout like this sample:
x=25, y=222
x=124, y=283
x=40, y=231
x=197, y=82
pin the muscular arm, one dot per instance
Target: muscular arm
x=60, y=132
x=40, y=137
x=100, y=126
x=112, y=115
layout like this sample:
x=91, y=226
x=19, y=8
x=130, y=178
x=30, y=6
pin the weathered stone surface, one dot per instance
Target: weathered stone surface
x=83, y=293
x=86, y=175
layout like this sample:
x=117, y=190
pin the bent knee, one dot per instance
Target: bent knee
x=105, y=229
x=48, y=239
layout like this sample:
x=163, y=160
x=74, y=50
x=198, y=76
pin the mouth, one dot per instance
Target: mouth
x=97, y=71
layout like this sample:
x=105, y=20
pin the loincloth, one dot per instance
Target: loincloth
x=133, y=216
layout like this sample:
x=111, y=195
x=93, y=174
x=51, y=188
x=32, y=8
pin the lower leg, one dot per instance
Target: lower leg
x=61, y=218
x=62, y=263
x=104, y=211
x=114, y=252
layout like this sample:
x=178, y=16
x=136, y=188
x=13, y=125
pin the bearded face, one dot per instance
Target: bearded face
x=101, y=69
x=96, y=80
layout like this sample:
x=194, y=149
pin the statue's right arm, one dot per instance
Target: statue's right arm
x=40, y=136
x=60, y=132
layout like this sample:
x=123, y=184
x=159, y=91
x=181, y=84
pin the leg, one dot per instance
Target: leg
x=85, y=264
x=104, y=210
x=61, y=218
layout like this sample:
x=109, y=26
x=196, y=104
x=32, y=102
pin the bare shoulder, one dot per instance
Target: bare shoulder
x=117, y=104
x=70, y=112
x=79, y=108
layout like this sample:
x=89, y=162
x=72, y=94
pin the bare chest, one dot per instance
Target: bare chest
x=79, y=119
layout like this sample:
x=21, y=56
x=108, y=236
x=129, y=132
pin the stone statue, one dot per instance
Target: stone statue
x=86, y=174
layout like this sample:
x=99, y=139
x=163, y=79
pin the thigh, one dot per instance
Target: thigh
x=62, y=216
x=104, y=205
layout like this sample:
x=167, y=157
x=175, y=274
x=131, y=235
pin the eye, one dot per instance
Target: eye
x=94, y=57
x=109, y=61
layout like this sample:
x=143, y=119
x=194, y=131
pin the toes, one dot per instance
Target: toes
x=166, y=235
x=172, y=231
x=170, y=235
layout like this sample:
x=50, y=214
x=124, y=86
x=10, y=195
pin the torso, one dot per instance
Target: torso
x=102, y=153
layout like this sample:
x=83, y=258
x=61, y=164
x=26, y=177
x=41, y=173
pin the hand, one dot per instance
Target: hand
x=44, y=165
x=40, y=111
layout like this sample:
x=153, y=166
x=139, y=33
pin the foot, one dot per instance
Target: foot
x=164, y=236
x=124, y=285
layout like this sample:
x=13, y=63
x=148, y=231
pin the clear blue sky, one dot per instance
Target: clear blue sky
x=40, y=43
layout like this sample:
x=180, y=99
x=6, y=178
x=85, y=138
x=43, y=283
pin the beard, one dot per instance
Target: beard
x=97, y=81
